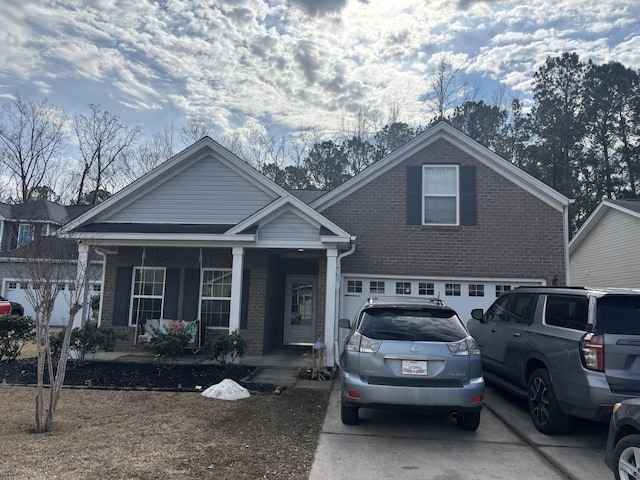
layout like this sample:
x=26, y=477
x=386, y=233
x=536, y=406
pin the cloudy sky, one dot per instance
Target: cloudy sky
x=286, y=64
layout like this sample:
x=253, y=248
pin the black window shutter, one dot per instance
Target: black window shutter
x=244, y=305
x=191, y=294
x=122, y=296
x=171, y=290
x=468, y=194
x=414, y=195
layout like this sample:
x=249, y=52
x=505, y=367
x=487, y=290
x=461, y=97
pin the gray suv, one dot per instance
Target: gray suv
x=571, y=351
x=413, y=353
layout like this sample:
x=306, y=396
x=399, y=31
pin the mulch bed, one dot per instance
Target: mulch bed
x=135, y=376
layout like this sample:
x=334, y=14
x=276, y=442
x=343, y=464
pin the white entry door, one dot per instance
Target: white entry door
x=300, y=310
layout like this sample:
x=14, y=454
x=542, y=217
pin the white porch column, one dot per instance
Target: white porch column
x=236, y=289
x=330, y=305
x=82, y=283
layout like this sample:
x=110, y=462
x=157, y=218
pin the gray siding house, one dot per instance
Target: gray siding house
x=206, y=237
x=20, y=224
x=604, y=252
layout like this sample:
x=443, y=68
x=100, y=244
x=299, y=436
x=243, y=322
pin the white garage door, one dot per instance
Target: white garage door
x=462, y=295
x=14, y=292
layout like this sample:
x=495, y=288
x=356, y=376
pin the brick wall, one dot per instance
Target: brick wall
x=516, y=234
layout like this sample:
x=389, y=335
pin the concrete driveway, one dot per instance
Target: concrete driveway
x=403, y=446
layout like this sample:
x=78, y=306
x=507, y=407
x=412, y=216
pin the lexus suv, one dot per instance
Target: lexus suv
x=571, y=351
x=410, y=353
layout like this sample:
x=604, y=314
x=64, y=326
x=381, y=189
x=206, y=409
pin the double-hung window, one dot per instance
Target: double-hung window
x=147, y=294
x=215, y=306
x=25, y=233
x=440, y=193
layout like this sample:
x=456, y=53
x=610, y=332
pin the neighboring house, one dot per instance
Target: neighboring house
x=19, y=225
x=205, y=236
x=604, y=251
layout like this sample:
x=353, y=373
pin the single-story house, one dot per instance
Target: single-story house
x=604, y=251
x=206, y=237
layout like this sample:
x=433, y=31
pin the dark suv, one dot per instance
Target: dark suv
x=571, y=351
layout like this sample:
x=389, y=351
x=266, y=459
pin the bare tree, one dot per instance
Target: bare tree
x=103, y=142
x=195, y=128
x=32, y=136
x=42, y=267
x=446, y=93
x=147, y=156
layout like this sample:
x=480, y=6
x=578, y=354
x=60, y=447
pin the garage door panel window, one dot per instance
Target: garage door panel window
x=426, y=288
x=376, y=287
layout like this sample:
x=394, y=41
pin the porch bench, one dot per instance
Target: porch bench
x=163, y=325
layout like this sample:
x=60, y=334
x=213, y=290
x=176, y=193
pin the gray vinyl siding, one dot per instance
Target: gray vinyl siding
x=288, y=226
x=608, y=257
x=206, y=192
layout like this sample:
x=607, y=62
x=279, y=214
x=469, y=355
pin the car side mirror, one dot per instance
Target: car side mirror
x=477, y=314
x=344, y=323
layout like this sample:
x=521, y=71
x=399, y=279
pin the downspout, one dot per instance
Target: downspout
x=567, y=276
x=336, y=340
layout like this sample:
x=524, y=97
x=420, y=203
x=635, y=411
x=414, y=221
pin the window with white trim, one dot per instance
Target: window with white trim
x=25, y=233
x=426, y=288
x=147, y=294
x=476, y=290
x=440, y=194
x=12, y=285
x=354, y=286
x=452, y=289
x=500, y=289
x=403, y=288
x=376, y=287
x=215, y=303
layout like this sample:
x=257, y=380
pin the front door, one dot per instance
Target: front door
x=300, y=310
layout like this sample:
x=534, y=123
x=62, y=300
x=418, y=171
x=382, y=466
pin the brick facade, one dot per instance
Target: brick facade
x=516, y=236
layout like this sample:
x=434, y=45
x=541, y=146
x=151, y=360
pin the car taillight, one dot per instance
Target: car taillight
x=592, y=352
x=360, y=343
x=466, y=346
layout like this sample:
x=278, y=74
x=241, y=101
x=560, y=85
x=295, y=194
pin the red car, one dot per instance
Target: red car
x=5, y=307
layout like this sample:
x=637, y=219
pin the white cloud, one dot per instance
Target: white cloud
x=295, y=62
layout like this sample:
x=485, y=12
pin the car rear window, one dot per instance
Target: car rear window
x=619, y=314
x=428, y=325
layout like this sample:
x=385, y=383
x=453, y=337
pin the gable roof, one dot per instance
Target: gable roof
x=201, y=173
x=443, y=131
x=629, y=207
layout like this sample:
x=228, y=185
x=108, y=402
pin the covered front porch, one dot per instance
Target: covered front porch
x=277, y=299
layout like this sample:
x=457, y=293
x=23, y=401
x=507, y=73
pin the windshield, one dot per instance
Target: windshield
x=619, y=314
x=435, y=325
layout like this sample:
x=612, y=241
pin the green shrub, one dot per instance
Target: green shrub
x=227, y=349
x=85, y=340
x=15, y=332
x=167, y=346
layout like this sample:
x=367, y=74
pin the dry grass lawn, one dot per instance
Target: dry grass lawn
x=101, y=434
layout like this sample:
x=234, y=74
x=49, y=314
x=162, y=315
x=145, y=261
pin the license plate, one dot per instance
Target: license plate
x=414, y=367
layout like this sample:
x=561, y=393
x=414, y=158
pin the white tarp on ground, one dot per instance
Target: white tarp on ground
x=227, y=389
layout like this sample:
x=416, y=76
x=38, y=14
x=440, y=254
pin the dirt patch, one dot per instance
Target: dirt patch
x=107, y=434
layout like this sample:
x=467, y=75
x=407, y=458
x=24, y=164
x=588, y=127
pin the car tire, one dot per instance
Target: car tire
x=544, y=408
x=468, y=421
x=627, y=452
x=348, y=414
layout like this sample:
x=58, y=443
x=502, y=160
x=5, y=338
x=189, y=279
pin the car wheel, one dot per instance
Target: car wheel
x=627, y=458
x=468, y=421
x=348, y=414
x=544, y=409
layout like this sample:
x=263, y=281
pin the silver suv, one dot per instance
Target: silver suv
x=405, y=352
x=571, y=351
